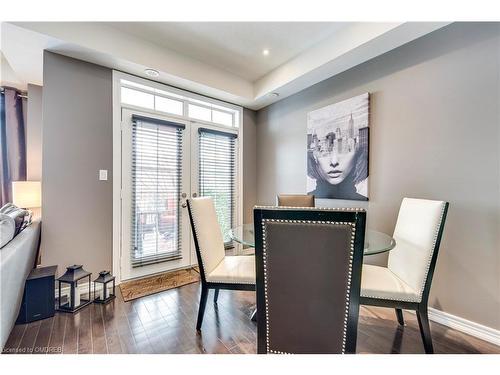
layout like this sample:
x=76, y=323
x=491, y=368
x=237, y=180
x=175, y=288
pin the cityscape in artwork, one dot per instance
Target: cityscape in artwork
x=342, y=140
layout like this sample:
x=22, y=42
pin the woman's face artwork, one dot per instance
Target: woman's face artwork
x=334, y=167
x=337, y=149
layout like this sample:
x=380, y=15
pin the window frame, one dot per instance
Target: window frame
x=189, y=97
x=186, y=98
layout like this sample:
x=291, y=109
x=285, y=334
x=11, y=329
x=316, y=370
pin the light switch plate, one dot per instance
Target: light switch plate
x=103, y=175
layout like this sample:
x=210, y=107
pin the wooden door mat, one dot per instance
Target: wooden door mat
x=158, y=283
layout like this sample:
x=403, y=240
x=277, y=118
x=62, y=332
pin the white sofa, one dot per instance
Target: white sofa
x=17, y=259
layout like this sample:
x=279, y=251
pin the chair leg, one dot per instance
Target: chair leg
x=216, y=295
x=425, y=331
x=201, y=308
x=399, y=315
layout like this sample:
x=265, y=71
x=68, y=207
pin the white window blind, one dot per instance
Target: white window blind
x=156, y=189
x=217, y=175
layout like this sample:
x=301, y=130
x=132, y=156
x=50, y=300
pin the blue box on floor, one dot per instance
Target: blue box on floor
x=39, y=295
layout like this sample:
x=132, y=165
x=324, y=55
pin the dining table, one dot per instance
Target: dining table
x=376, y=242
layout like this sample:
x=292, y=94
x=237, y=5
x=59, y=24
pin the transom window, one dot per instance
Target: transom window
x=175, y=103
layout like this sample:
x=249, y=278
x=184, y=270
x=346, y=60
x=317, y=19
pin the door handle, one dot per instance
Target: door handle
x=184, y=205
x=195, y=195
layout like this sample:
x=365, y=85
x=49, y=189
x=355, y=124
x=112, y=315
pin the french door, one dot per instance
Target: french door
x=155, y=186
x=164, y=162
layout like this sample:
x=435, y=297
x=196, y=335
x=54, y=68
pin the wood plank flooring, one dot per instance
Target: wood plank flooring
x=165, y=323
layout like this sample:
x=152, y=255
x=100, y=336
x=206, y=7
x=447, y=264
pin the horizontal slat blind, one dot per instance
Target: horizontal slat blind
x=156, y=186
x=217, y=175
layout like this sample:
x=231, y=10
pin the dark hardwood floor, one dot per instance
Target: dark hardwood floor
x=165, y=323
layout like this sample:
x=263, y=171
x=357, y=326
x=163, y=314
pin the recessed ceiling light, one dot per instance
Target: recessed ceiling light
x=152, y=72
x=265, y=52
x=274, y=94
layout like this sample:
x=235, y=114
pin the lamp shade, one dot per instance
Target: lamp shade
x=26, y=194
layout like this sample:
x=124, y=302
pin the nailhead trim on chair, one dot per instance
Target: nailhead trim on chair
x=348, y=209
x=392, y=299
x=230, y=282
x=436, y=234
x=421, y=291
x=351, y=255
x=196, y=234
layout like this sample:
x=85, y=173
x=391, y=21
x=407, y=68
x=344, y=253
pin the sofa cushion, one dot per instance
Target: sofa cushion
x=7, y=207
x=7, y=229
x=21, y=217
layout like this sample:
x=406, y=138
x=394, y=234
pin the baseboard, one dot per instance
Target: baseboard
x=466, y=326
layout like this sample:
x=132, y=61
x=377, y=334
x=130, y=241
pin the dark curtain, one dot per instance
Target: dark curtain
x=12, y=143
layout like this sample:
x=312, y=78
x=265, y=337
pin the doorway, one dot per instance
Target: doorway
x=166, y=160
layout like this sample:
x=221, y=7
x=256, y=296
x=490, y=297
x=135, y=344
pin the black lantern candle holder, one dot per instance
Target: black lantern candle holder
x=106, y=291
x=74, y=277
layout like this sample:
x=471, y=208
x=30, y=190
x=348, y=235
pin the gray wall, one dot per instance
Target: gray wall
x=434, y=134
x=249, y=164
x=34, y=133
x=77, y=142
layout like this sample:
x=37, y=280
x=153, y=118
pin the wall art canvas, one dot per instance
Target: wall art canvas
x=337, y=150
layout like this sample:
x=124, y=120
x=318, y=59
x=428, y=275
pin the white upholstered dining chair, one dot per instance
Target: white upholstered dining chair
x=406, y=281
x=217, y=270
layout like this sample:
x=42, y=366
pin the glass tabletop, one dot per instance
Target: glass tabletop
x=375, y=242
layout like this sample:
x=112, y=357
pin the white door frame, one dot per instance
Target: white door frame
x=117, y=155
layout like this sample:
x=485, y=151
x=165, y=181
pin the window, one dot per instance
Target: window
x=156, y=189
x=217, y=175
x=168, y=105
x=200, y=113
x=179, y=103
x=222, y=118
x=138, y=98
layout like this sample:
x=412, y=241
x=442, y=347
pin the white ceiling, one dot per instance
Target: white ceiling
x=220, y=60
x=235, y=46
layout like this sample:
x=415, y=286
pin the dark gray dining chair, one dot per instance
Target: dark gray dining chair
x=295, y=200
x=308, y=276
